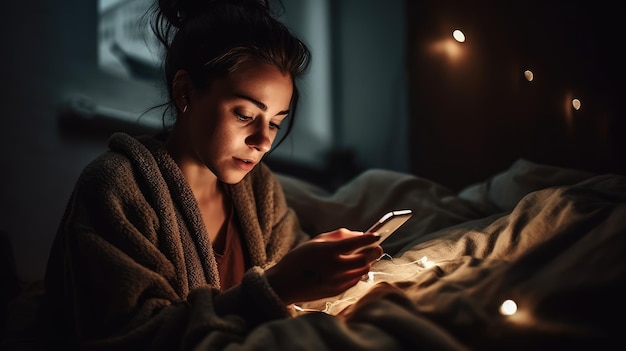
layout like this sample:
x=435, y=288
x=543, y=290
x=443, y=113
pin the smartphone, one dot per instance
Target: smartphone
x=388, y=224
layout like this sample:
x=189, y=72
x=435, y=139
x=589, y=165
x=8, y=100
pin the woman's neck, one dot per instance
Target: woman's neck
x=206, y=188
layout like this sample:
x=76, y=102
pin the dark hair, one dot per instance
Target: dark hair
x=211, y=38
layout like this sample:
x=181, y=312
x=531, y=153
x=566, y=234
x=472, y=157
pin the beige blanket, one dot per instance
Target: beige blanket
x=550, y=240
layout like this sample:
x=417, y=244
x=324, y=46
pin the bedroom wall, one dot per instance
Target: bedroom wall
x=473, y=113
x=49, y=56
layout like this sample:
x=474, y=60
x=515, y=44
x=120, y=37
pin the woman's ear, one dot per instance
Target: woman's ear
x=181, y=90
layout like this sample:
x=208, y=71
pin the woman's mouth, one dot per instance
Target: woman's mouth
x=244, y=164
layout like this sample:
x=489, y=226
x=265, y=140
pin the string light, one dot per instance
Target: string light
x=369, y=280
x=326, y=309
x=528, y=74
x=508, y=308
x=458, y=36
x=423, y=262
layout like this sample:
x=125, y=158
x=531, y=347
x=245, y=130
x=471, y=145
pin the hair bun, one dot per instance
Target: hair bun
x=178, y=12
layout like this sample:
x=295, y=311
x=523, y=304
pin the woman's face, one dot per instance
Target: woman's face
x=234, y=122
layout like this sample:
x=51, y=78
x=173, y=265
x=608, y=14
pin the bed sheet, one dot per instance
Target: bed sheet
x=549, y=240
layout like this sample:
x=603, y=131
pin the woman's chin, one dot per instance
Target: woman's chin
x=233, y=177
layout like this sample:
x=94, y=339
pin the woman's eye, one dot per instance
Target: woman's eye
x=243, y=117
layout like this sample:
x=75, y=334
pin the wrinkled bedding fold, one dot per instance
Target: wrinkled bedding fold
x=550, y=239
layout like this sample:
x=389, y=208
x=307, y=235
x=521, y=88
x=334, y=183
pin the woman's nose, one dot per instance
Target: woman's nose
x=260, y=139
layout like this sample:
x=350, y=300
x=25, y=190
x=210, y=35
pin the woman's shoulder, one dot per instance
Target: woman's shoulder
x=114, y=158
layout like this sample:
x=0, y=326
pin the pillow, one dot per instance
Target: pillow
x=504, y=190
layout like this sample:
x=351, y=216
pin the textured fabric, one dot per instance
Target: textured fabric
x=231, y=261
x=132, y=267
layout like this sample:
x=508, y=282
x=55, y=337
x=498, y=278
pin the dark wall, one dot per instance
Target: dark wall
x=474, y=116
x=48, y=55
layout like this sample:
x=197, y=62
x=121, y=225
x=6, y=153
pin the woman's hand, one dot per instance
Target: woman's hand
x=324, y=266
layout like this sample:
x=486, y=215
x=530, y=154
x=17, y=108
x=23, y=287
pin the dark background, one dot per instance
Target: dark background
x=473, y=117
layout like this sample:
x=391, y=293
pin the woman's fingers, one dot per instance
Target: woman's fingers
x=337, y=235
x=324, y=266
x=354, y=242
x=361, y=241
x=344, y=241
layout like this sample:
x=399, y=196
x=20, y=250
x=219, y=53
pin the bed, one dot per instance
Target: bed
x=530, y=258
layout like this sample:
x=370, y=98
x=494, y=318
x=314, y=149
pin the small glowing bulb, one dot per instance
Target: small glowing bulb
x=576, y=104
x=424, y=262
x=508, y=308
x=529, y=75
x=458, y=36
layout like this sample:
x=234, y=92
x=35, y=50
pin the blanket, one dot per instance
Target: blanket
x=531, y=258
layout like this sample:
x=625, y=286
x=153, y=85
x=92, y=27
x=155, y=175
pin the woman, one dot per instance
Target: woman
x=167, y=243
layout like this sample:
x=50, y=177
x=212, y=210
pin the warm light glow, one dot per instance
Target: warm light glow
x=576, y=104
x=424, y=262
x=449, y=48
x=508, y=308
x=458, y=36
x=529, y=75
x=568, y=111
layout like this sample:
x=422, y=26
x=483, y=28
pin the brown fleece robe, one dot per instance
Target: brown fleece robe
x=131, y=266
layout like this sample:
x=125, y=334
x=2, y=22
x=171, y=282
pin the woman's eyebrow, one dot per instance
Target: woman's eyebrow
x=258, y=103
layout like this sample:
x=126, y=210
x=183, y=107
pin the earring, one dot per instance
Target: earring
x=185, y=108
